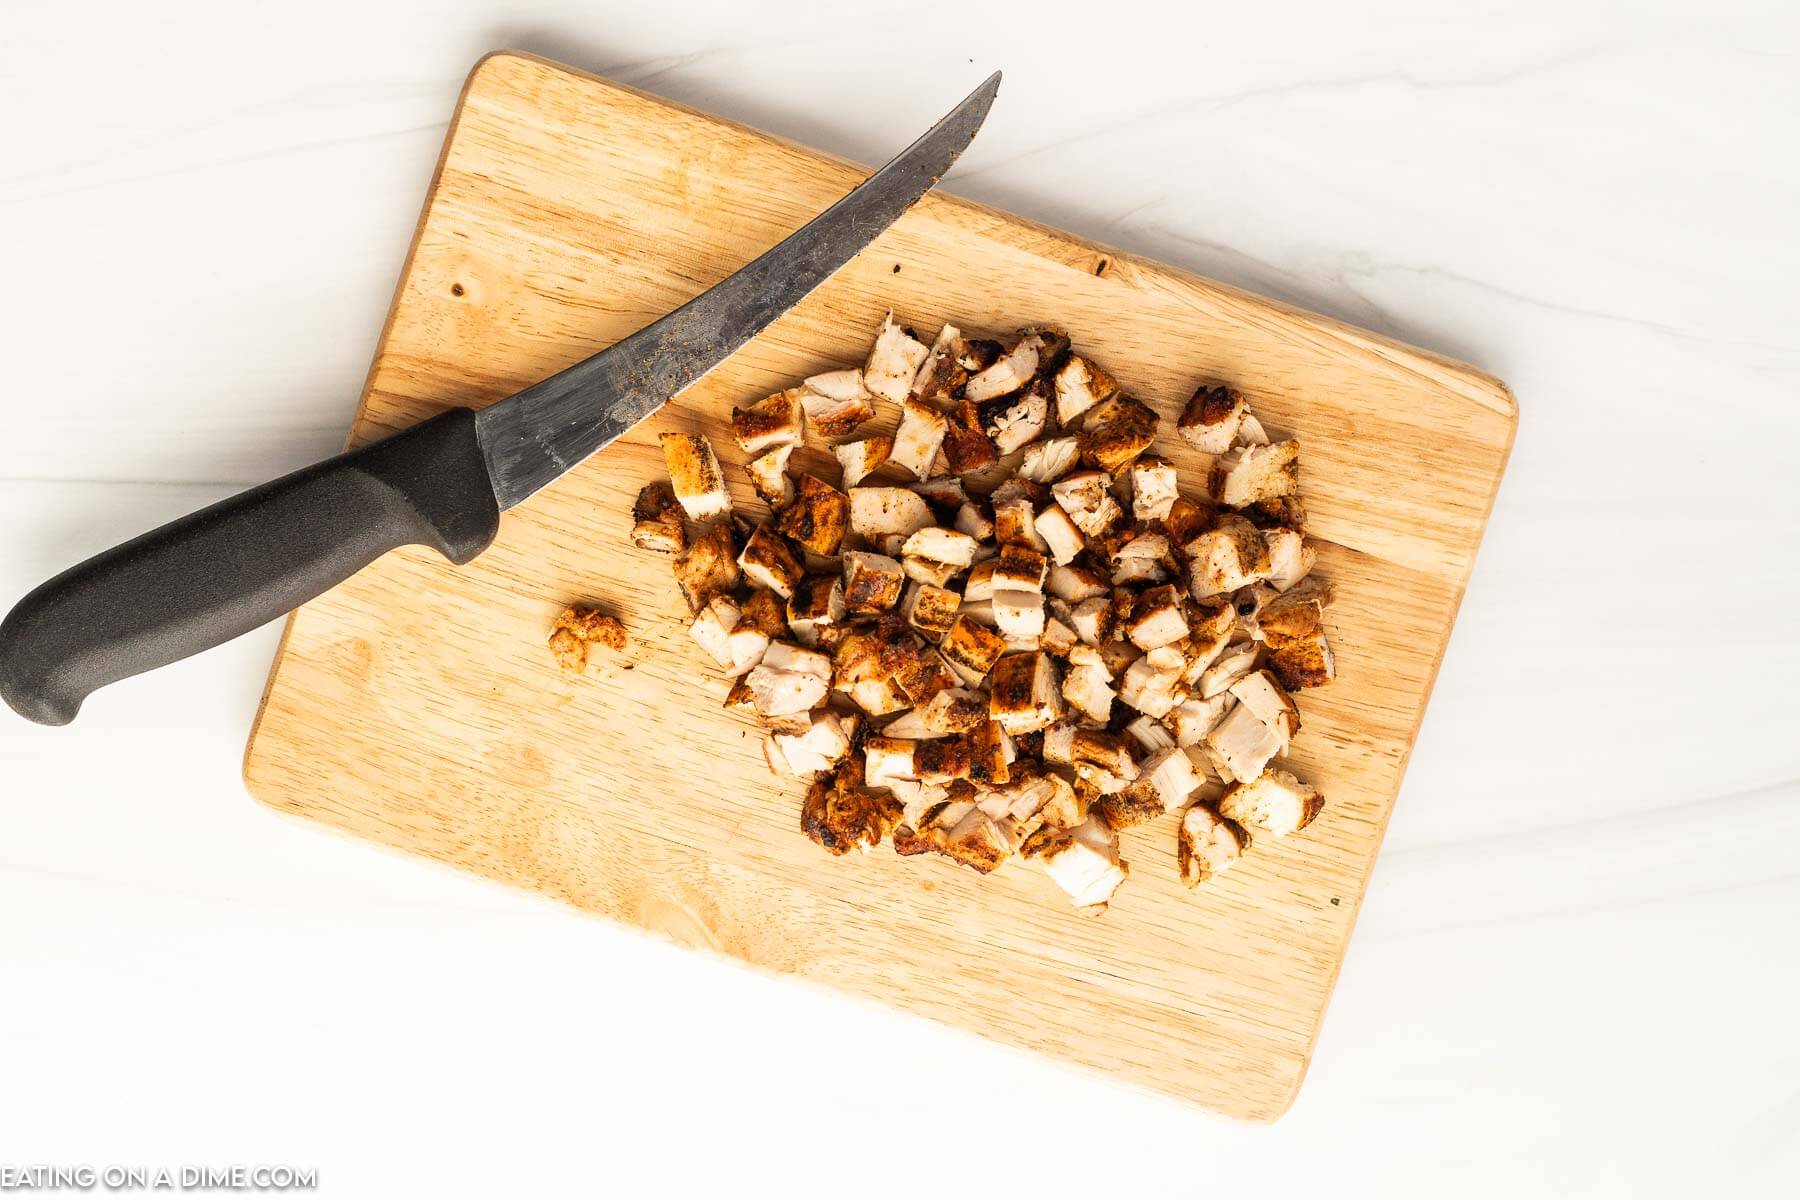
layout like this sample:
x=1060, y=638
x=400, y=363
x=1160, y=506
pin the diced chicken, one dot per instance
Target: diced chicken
x=842, y=816
x=1018, y=615
x=1243, y=744
x=943, y=372
x=1087, y=497
x=888, y=759
x=1194, y=718
x=1153, y=488
x=1022, y=693
x=879, y=697
x=1303, y=662
x=1231, y=555
x=878, y=511
x=967, y=448
x=872, y=582
x=894, y=362
x=1034, y=350
x=1210, y=421
x=778, y=692
x=1058, y=637
x=929, y=608
x=767, y=562
x=1011, y=424
x=784, y=656
x=1149, y=734
x=1085, y=863
x=1092, y=619
x=1116, y=432
x=576, y=629
x=1250, y=431
x=945, y=495
x=980, y=583
x=1088, y=690
x=940, y=545
x=818, y=518
x=942, y=760
x=656, y=522
x=978, y=610
x=1080, y=385
x=1262, y=694
x=817, y=604
x=712, y=629
x=1235, y=662
x=694, y=474
x=770, y=422
x=1157, y=619
x=1062, y=540
x=835, y=404
x=1290, y=558
x=971, y=649
x=859, y=459
x=1275, y=801
x=708, y=566
x=1049, y=460
x=821, y=748
x=972, y=521
x=1207, y=844
x=1019, y=569
x=916, y=441
x=1015, y=523
x=1171, y=773
x=952, y=711
x=769, y=477
x=1249, y=474
x=1074, y=584
x=1150, y=691
x=1143, y=558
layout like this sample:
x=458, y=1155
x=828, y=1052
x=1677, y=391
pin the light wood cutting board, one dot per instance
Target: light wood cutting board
x=417, y=705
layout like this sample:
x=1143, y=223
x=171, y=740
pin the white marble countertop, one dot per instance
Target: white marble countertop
x=1577, y=968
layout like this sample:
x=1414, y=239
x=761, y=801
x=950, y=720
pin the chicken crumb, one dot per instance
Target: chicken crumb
x=579, y=627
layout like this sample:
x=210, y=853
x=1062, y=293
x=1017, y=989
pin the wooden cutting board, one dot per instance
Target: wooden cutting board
x=416, y=705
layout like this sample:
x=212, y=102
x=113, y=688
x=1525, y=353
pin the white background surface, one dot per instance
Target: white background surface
x=1577, y=968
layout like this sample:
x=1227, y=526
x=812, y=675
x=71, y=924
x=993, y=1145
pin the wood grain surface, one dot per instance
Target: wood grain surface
x=416, y=705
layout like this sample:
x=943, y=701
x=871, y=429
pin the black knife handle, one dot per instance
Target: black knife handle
x=206, y=578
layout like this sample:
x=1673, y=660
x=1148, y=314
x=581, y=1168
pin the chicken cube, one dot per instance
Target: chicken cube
x=843, y=816
x=1088, y=690
x=776, y=692
x=1243, y=743
x=656, y=522
x=1022, y=694
x=770, y=422
x=1080, y=385
x=1262, y=694
x=916, y=441
x=859, y=459
x=818, y=518
x=708, y=566
x=972, y=521
x=1018, y=615
x=769, y=477
x=940, y=545
x=1084, y=862
x=887, y=759
x=1015, y=523
x=836, y=403
x=1235, y=662
x=768, y=562
x=1087, y=497
x=1034, y=351
x=1153, y=488
x=1074, y=584
x=694, y=475
x=1013, y=423
x=879, y=511
x=1207, y=844
x=944, y=370
x=1275, y=801
x=1194, y=718
x=1151, y=691
x=1250, y=474
x=712, y=628
x=1150, y=735
x=822, y=747
x=1062, y=540
x=980, y=583
x=872, y=582
x=1173, y=776
x=894, y=361
x=577, y=628
x=1092, y=619
x=929, y=608
x=1157, y=619
x=1290, y=558
x=1231, y=555
x=972, y=649
x=1047, y=461
x=1210, y=421
x=1116, y=432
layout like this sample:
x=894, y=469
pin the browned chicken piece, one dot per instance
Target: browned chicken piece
x=926, y=570
x=817, y=604
x=769, y=477
x=942, y=760
x=916, y=441
x=1263, y=695
x=1304, y=662
x=976, y=520
x=1108, y=752
x=818, y=518
x=1074, y=583
x=772, y=421
x=1157, y=618
x=1292, y=624
x=1243, y=744
x=1233, y=663
x=1194, y=718
x=1207, y=844
x=1151, y=688
x=1016, y=421
x=1186, y=521
x=1282, y=512
x=764, y=611
x=1087, y=497
x=943, y=373
x=860, y=459
x=1062, y=540
x=843, y=816
x=1080, y=385
x=976, y=841
x=1247, y=475
x=967, y=448
x=1116, y=432
x=991, y=754
x=694, y=475
x=938, y=544
x=1230, y=555
x=721, y=630
x=1015, y=523
x=1154, y=488
x=1058, y=637
x=1048, y=461
x=1250, y=431
x=836, y=403
x=708, y=566
x=894, y=361
x=1019, y=616
x=876, y=512
x=952, y=710
x=1035, y=350
x=824, y=744
x=930, y=609
x=656, y=522
x=971, y=649
x=768, y=562
x=1022, y=693
x=1084, y=862
x=1134, y=804
x=1092, y=620
x=579, y=627
x=1019, y=568
x=872, y=582
x=1274, y=801
x=1290, y=558
x=1141, y=558
x=1210, y=421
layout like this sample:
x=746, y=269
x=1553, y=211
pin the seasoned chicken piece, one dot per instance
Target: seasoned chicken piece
x=1088, y=690
x=1058, y=638
x=1149, y=735
x=1292, y=624
x=887, y=760
x=777, y=693
x=770, y=422
x=768, y=562
x=944, y=370
x=940, y=545
x=894, y=362
x=977, y=841
x=872, y=582
x=1231, y=555
x=970, y=519
x=878, y=511
x=1283, y=512
x=843, y=816
x=836, y=403
x=1034, y=350
x=1142, y=558
x=1243, y=744
x=1107, y=753
x=929, y=609
x=980, y=583
x=951, y=711
x=708, y=566
x=579, y=627
x=1049, y=460
x=1274, y=801
x=1092, y=619
x=712, y=629
x=1079, y=386
x=784, y=656
x=1116, y=432
x=1015, y=523
x=1303, y=662
x=1153, y=488
x=656, y=520
x=1210, y=421
x=971, y=649
x=1019, y=420
x=1207, y=844
x=1250, y=431
x=1157, y=618
x=817, y=603
x=1087, y=497
x=694, y=475
x=1172, y=775
x=916, y=442
x=821, y=748
x=967, y=447
x=1235, y=662
x=1151, y=691
x=1084, y=862
x=1128, y=805
x=769, y=477
x=818, y=518
x=1262, y=694
x=1062, y=540
x=1073, y=584
x=1018, y=615
x=1186, y=520
x=1251, y=474
x=942, y=760
x=1022, y=693
x=858, y=459
x=1019, y=569
x=1192, y=719
x=1290, y=558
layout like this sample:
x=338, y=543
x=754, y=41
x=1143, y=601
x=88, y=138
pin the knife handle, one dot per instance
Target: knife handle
x=204, y=579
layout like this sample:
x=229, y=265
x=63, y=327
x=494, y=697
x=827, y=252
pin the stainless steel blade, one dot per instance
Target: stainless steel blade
x=531, y=438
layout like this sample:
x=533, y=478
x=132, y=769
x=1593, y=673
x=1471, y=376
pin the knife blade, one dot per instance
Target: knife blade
x=208, y=577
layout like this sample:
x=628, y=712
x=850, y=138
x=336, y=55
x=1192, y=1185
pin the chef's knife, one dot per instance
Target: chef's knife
x=206, y=578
